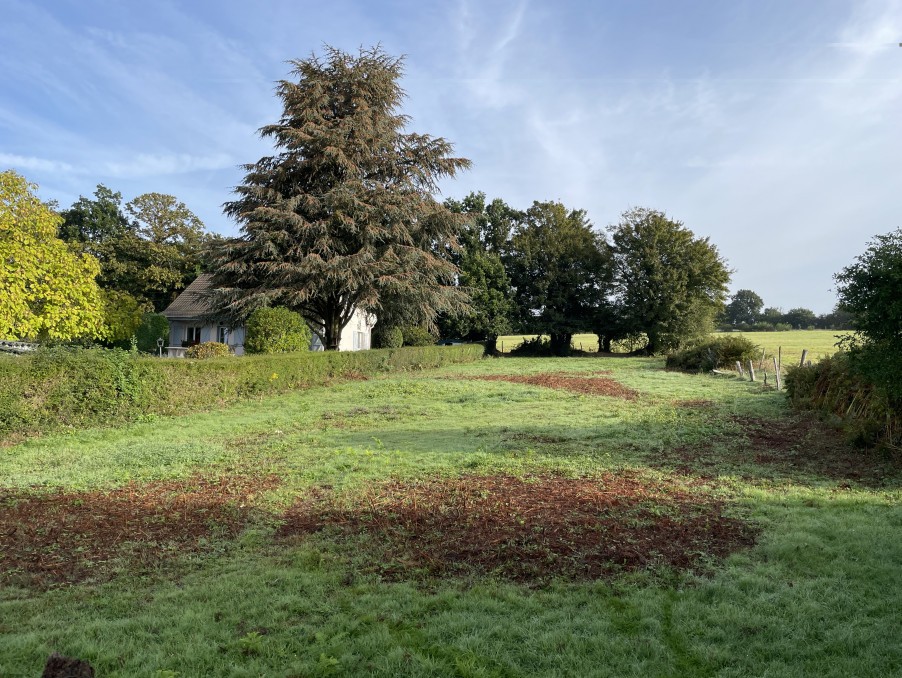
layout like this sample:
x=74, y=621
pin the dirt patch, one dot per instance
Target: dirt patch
x=696, y=404
x=68, y=537
x=794, y=446
x=527, y=530
x=592, y=385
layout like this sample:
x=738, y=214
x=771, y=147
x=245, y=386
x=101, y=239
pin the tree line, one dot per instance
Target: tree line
x=746, y=311
x=343, y=215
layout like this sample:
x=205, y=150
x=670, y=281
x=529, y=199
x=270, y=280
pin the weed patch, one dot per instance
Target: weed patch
x=527, y=530
x=69, y=537
x=791, y=446
x=591, y=385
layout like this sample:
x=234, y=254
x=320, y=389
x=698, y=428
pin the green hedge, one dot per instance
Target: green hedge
x=832, y=386
x=65, y=387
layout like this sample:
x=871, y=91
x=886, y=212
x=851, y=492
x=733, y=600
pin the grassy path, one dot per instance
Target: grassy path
x=817, y=594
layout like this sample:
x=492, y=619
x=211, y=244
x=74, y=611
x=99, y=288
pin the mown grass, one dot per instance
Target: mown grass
x=818, y=343
x=818, y=594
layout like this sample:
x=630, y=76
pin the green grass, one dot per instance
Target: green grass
x=818, y=343
x=818, y=595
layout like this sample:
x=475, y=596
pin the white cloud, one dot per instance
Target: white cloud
x=22, y=162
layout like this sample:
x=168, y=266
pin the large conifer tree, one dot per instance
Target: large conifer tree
x=343, y=215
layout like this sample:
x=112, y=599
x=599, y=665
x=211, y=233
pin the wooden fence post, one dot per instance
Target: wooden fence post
x=761, y=362
x=739, y=369
x=804, y=355
x=751, y=371
x=777, y=374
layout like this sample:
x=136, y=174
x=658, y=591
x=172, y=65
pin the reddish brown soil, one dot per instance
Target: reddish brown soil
x=592, y=385
x=526, y=530
x=67, y=537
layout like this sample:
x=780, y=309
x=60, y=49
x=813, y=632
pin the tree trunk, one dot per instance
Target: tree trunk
x=604, y=344
x=491, y=344
x=333, y=334
x=560, y=343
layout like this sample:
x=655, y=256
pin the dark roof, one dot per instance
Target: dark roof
x=194, y=301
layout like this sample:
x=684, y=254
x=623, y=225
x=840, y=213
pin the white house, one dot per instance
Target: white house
x=188, y=326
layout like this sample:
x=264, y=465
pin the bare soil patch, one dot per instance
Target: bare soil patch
x=694, y=404
x=527, y=530
x=793, y=446
x=68, y=537
x=592, y=385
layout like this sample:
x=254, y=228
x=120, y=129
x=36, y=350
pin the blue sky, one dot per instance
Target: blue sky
x=772, y=127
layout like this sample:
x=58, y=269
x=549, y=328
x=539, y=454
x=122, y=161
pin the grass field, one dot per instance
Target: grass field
x=511, y=517
x=818, y=343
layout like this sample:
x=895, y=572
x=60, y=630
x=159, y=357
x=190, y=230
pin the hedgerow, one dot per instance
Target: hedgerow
x=836, y=388
x=63, y=388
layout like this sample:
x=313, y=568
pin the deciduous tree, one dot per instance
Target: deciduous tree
x=744, y=308
x=47, y=289
x=150, y=256
x=560, y=269
x=671, y=285
x=343, y=215
x=483, y=241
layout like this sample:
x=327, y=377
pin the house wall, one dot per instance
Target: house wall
x=178, y=332
x=361, y=325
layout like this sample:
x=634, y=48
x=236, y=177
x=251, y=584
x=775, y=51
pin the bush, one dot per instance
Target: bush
x=385, y=336
x=415, y=335
x=276, y=330
x=153, y=326
x=537, y=347
x=834, y=387
x=64, y=387
x=207, y=350
x=712, y=353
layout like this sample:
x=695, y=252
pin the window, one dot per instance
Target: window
x=223, y=336
x=359, y=341
x=192, y=336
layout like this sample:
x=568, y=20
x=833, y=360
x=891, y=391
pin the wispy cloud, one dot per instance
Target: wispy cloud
x=23, y=162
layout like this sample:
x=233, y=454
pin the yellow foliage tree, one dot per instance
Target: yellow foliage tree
x=47, y=290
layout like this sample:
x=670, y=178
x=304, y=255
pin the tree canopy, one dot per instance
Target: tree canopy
x=343, y=215
x=47, y=289
x=560, y=269
x=483, y=241
x=744, y=308
x=150, y=256
x=670, y=284
x=871, y=289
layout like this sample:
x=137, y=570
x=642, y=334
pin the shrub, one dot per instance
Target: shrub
x=712, y=353
x=386, y=336
x=834, y=387
x=782, y=327
x=536, y=347
x=153, y=326
x=414, y=335
x=276, y=330
x=208, y=349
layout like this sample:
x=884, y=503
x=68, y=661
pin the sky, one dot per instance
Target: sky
x=771, y=127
